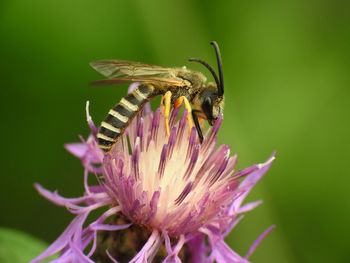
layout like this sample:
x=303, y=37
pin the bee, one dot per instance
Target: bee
x=177, y=86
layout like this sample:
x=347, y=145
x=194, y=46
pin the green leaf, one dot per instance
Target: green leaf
x=18, y=247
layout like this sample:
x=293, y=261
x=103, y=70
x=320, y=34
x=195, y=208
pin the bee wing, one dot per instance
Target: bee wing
x=119, y=71
x=154, y=80
x=123, y=68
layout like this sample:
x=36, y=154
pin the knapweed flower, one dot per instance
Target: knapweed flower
x=166, y=199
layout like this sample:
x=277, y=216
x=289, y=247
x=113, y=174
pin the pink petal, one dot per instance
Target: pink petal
x=172, y=256
x=258, y=241
x=250, y=181
x=77, y=149
x=149, y=250
x=63, y=239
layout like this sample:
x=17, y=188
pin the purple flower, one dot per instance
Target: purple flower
x=187, y=196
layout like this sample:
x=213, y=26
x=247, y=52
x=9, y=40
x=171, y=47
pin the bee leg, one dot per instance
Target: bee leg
x=188, y=107
x=166, y=99
x=162, y=104
x=198, y=126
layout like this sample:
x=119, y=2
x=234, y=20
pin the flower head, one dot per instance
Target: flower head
x=183, y=194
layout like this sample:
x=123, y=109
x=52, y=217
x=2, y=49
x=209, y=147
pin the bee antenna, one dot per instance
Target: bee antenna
x=219, y=61
x=212, y=71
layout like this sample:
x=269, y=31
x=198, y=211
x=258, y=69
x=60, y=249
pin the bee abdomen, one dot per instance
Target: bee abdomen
x=121, y=115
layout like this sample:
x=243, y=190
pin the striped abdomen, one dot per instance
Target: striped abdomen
x=120, y=116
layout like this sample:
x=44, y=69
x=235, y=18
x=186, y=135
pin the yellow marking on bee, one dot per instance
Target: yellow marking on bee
x=110, y=127
x=139, y=95
x=126, y=104
x=188, y=107
x=104, y=146
x=104, y=137
x=167, y=101
x=118, y=116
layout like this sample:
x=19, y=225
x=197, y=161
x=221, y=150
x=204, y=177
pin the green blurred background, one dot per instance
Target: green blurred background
x=286, y=66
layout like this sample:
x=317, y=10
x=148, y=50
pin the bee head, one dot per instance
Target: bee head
x=212, y=97
x=212, y=105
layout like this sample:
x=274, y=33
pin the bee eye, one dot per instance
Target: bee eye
x=207, y=107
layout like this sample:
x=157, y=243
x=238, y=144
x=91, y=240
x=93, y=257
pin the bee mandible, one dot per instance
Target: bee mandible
x=177, y=86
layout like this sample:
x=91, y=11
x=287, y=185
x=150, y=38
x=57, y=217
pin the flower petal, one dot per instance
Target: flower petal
x=198, y=248
x=250, y=181
x=248, y=207
x=72, y=203
x=221, y=252
x=149, y=250
x=64, y=239
x=258, y=241
x=77, y=149
x=172, y=256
